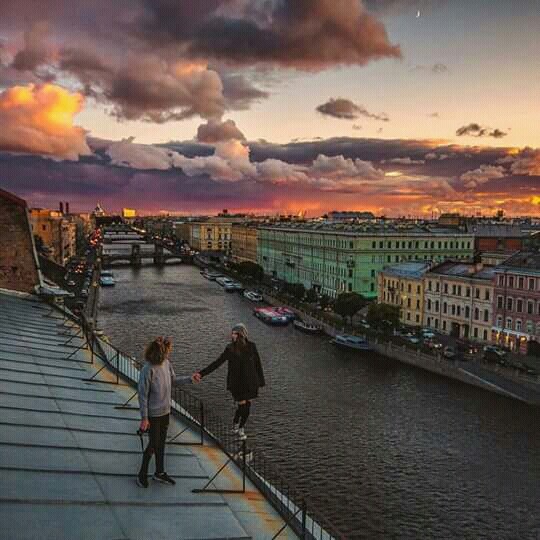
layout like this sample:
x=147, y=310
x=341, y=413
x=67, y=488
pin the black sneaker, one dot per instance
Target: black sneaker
x=164, y=478
x=142, y=481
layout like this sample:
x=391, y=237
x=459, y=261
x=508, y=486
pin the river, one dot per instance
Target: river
x=391, y=451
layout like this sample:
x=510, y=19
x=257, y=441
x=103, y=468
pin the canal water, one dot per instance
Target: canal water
x=390, y=451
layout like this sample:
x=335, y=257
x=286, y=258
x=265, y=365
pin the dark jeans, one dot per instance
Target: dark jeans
x=156, y=445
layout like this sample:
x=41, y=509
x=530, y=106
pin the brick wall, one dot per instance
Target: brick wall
x=18, y=267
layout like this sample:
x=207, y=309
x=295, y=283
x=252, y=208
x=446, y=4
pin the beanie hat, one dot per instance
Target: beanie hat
x=241, y=329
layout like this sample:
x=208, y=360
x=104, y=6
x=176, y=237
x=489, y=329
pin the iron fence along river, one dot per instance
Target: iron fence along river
x=388, y=450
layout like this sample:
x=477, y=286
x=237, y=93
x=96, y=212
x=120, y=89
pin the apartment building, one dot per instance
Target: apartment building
x=402, y=285
x=458, y=299
x=244, y=242
x=516, y=320
x=342, y=257
x=57, y=233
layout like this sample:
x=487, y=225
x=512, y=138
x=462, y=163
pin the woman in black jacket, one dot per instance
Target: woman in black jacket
x=244, y=375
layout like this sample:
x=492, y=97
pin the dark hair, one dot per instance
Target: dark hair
x=240, y=344
x=156, y=351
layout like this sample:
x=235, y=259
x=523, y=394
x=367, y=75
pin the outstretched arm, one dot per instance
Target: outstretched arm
x=215, y=364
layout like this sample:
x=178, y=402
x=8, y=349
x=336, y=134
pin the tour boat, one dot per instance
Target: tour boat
x=286, y=312
x=232, y=286
x=271, y=316
x=307, y=328
x=223, y=280
x=106, y=281
x=253, y=296
x=352, y=342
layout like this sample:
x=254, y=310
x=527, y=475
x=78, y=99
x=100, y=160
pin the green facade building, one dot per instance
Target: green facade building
x=339, y=257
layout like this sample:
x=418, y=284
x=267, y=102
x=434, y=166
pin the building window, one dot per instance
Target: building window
x=467, y=292
x=429, y=321
x=501, y=281
x=409, y=288
x=444, y=326
x=350, y=287
x=418, y=304
x=454, y=290
x=444, y=307
x=499, y=302
x=453, y=309
x=429, y=285
x=499, y=321
x=486, y=315
x=518, y=326
x=381, y=245
x=531, y=284
x=437, y=306
x=446, y=288
x=486, y=294
x=530, y=307
x=418, y=289
x=429, y=305
x=417, y=318
x=374, y=245
x=475, y=332
x=509, y=323
x=477, y=293
x=459, y=311
x=436, y=323
x=520, y=283
x=509, y=304
x=408, y=316
x=519, y=306
x=511, y=282
x=529, y=327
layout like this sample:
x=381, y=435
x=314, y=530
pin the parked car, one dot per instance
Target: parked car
x=450, y=353
x=492, y=353
x=433, y=344
x=427, y=333
x=413, y=339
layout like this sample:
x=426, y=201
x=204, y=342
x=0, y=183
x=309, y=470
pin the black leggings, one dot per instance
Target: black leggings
x=242, y=413
x=156, y=445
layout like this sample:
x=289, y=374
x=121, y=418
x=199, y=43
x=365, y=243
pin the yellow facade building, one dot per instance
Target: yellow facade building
x=244, y=242
x=212, y=234
x=402, y=285
x=58, y=234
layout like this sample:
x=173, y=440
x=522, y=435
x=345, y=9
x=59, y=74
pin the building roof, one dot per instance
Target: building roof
x=465, y=270
x=367, y=228
x=496, y=230
x=69, y=456
x=12, y=198
x=524, y=260
x=411, y=270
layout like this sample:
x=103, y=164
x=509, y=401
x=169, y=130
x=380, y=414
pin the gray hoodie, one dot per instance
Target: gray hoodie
x=155, y=382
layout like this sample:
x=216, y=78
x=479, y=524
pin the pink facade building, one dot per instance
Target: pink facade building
x=516, y=302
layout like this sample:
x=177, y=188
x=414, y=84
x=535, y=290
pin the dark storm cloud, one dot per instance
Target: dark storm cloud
x=239, y=92
x=302, y=34
x=35, y=50
x=476, y=130
x=213, y=132
x=347, y=110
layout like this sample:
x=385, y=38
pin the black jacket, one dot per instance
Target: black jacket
x=244, y=375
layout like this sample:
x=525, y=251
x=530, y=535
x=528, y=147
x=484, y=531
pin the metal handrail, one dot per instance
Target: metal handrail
x=290, y=503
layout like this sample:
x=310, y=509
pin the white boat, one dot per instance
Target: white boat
x=233, y=286
x=224, y=280
x=307, y=328
x=106, y=281
x=270, y=316
x=253, y=296
x=351, y=342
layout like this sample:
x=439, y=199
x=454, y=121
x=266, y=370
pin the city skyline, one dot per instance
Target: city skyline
x=400, y=107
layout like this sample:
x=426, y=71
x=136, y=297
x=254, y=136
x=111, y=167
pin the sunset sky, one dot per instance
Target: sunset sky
x=401, y=107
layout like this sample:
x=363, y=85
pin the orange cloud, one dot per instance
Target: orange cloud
x=39, y=119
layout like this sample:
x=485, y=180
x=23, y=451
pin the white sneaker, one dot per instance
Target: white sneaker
x=242, y=434
x=235, y=429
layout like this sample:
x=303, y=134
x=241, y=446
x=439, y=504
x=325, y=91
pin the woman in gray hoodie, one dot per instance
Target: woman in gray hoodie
x=155, y=383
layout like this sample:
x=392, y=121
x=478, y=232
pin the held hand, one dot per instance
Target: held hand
x=196, y=377
x=144, y=425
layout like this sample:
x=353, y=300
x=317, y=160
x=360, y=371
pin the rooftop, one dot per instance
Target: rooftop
x=408, y=269
x=463, y=269
x=69, y=455
x=526, y=260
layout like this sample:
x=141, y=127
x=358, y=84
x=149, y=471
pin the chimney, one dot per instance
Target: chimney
x=61, y=207
x=67, y=207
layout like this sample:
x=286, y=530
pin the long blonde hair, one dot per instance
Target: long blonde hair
x=158, y=350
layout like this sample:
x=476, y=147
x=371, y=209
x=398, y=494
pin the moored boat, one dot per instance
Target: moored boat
x=307, y=328
x=253, y=296
x=270, y=316
x=351, y=342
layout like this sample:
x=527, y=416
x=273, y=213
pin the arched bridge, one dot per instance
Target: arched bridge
x=134, y=254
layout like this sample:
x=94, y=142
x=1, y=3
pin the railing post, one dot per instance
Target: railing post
x=117, y=367
x=244, y=466
x=304, y=515
x=202, y=422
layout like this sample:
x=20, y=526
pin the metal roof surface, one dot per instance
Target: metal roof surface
x=69, y=457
